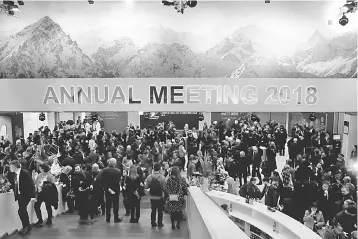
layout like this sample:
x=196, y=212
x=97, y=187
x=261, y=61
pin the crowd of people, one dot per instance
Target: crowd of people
x=317, y=186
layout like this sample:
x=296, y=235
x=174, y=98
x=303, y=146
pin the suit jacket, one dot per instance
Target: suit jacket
x=328, y=234
x=110, y=178
x=272, y=196
x=26, y=184
x=309, y=220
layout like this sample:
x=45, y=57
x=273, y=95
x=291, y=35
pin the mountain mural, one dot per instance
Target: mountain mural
x=44, y=50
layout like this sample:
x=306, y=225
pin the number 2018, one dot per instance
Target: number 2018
x=284, y=94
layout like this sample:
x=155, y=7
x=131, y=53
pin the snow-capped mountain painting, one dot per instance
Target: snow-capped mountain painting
x=146, y=40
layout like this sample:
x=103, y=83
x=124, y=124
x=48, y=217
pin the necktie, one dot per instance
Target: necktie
x=16, y=185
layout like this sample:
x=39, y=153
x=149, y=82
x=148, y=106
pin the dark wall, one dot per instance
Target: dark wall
x=179, y=119
x=264, y=117
x=17, y=121
x=319, y=123
x=117, y=121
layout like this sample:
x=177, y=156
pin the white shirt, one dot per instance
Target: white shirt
x=92, y=144
x=88, y=127
x=98, y=127
x=18, y=181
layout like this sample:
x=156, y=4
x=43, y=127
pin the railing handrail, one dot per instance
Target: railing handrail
x=290, y=224
x=219, y=225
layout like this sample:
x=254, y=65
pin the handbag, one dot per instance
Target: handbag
x=175, y=197
x=141, y=191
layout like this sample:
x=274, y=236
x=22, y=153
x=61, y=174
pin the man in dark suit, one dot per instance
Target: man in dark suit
x=24, y=191
x=110, y=178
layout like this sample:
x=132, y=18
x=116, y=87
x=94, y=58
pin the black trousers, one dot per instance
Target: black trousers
x=176, y=217
x=23, y=214
x=157, y=205
x=37, y=207
x=70, y=204
x=126, y=203
x=112, y=201
x=135, y=208
x=281, y=149
x=83, y=205
x=256, y=171
x=243, y=175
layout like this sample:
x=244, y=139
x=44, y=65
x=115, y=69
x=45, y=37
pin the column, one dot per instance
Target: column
x=134, y=118
x=51, y=120
x=207, y=120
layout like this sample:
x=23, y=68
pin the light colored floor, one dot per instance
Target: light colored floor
x=67, y=227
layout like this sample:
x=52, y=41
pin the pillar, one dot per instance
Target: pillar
x=207, y=120
x=134, y=118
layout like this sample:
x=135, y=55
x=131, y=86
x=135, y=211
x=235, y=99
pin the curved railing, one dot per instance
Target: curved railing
x=256, y=219
x=208, y=221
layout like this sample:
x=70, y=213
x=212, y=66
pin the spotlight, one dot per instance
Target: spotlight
x=200, y=116
x=344, y=20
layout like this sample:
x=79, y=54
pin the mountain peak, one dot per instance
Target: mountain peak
x=45, y=18
x=316, y=39
x=246, y=33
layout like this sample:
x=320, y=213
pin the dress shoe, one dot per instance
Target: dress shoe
x=49, y=222
x=39, y=223
x=25, y=231
x=160, y=224
x=108, y=220
x=132, y=220
x=84, y=221
x=154, y=224
x=118, y=220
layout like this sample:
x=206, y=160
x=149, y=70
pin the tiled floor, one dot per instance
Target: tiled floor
x=67, y=227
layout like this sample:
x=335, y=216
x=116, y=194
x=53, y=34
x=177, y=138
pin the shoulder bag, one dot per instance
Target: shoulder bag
x=175, y=197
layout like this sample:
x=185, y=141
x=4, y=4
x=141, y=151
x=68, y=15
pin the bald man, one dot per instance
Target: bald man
x=110, y=178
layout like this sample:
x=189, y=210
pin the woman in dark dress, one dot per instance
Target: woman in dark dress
x=133, y=188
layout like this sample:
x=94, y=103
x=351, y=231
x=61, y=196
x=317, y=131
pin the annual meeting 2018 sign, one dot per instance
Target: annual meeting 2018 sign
x=194, y=95
x=179, y=94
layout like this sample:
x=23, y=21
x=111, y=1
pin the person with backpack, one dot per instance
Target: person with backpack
x=156, y=184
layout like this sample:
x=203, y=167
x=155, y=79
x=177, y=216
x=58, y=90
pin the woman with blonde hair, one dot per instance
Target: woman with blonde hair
x=134, y=190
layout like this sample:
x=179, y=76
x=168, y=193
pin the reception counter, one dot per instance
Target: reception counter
x=208, y=221
x=260, y=223
x=10, y=221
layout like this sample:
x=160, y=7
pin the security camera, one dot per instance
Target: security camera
x=344, y=20
x=192, y=3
